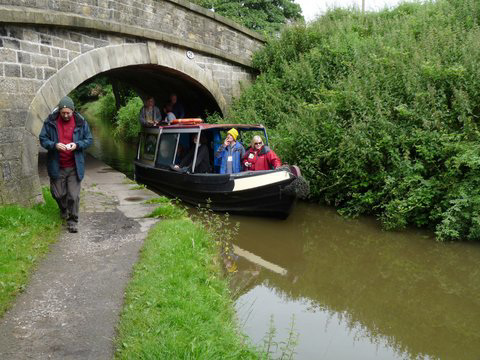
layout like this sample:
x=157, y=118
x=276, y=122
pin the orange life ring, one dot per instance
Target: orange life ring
x=191, y=121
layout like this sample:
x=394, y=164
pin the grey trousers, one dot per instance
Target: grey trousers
x=66, y=191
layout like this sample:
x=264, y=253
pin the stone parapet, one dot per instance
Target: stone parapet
x=175, y=22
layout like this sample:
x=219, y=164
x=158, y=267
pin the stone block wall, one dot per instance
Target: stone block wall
x=30, y=56
x=229, y=77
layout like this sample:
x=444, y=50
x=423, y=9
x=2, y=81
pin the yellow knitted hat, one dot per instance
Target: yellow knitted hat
x=233, y=132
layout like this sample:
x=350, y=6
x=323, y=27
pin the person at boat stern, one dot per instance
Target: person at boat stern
x=231, y=153
x=66, y=135
x=260, y=157
x=173, y=109
x=149, y=114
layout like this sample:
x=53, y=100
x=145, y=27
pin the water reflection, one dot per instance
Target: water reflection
x=359, y=292
x=115, y=153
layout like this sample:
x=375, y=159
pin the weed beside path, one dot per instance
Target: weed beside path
x=178, y=304
x=25, y=236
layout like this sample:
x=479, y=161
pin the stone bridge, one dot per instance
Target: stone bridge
x=49, y=47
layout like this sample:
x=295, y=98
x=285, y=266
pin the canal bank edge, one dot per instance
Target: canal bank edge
x=178, y=304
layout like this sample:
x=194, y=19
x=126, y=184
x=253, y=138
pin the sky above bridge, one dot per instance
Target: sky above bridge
x=312, y=8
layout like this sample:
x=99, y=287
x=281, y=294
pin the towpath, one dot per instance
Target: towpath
x=73, y=301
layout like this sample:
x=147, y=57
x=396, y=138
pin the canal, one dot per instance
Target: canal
x=349, y=289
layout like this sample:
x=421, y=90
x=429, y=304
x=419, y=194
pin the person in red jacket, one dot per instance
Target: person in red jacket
x=260, y=157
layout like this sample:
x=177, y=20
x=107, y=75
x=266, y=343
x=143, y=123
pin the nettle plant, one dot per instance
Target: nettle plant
x=221, y=231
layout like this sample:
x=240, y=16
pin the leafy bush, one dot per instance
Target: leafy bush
x=106, y=105
x=127, y=124
x=89, y=91
x=380, y=111
x=265, y=16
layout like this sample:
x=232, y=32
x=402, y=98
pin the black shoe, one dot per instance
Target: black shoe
x=72, y=228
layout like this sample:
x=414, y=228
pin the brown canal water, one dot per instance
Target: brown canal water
x=355, y=291
x=352, y=290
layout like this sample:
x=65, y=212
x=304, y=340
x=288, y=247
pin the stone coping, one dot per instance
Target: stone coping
x=23, y=15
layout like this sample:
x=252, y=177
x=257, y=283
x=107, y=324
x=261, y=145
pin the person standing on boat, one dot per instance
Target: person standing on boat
x=170, y=116
x=150, y=114
x=66, y=135
x=173, y=109
x=231, y=153
x=177, y=107
x=260, y=157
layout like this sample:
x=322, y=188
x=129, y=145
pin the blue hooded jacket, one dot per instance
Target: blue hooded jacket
x=48, y=137
x=237, y=154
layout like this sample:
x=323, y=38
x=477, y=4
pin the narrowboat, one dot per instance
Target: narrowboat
x=266, y=193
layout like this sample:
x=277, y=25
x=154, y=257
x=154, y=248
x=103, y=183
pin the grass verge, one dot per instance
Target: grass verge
x=166, y=209
x=25, y=236
x=178, y=305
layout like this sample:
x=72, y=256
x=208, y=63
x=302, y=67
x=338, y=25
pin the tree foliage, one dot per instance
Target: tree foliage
x=260, y=15
x=381, y=111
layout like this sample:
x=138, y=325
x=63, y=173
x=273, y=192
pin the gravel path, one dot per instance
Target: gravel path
x=73, y=301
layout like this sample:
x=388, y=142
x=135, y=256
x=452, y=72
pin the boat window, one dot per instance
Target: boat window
x=166, y=149
x=184, y=144
x=147, y=146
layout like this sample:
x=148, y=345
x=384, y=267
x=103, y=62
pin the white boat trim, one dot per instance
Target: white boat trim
x=260, y=180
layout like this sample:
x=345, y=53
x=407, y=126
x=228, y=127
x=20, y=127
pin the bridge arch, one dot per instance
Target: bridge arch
x=108, y=58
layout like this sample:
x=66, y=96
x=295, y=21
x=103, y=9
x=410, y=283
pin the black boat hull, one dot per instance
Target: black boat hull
x=255, y=193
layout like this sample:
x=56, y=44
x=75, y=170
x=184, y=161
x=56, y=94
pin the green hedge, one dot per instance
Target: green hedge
x=380, y=111
x=127, y=123
x=106, y=105
x=125, y=120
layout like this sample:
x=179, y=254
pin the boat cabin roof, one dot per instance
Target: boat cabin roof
x=203, y=126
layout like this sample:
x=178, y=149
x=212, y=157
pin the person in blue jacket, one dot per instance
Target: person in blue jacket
x=231, y=153
x=66, y=135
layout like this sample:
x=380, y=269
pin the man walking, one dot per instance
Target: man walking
x=66, y=135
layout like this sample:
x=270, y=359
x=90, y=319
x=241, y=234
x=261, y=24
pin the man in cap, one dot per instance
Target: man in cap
x=231, y=153
x=66, y=135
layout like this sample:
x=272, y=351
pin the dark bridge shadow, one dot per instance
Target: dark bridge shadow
x=160, y=82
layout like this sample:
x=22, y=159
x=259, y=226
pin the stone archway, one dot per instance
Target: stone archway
x=107, y=58
x=85, y=67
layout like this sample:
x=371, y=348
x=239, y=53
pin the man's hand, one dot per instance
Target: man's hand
x=72, y=146
x=226, y=142
x=61, y=147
